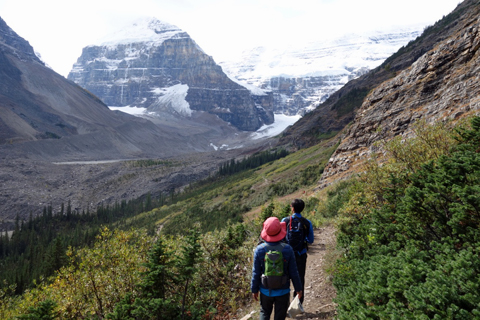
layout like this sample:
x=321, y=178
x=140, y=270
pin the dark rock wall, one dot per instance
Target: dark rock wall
x=132, y=74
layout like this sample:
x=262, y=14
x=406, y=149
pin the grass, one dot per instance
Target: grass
x=234, y=197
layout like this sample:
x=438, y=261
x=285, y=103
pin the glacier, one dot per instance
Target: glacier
x=301, y=77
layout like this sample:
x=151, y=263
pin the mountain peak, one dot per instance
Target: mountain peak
x=145, y=29
x=11, y=41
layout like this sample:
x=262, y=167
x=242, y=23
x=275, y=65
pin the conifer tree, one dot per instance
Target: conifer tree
x=148, y=202
x=158, y=278
x=191, y=253
x=155, y=298
x=44, y=311
x=69, y=210
x=57, y=257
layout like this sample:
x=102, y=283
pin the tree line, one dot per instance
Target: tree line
x=252, y=162
x=36, y=248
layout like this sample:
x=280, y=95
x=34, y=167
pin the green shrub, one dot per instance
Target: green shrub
x=44, y=311
x=414, y=254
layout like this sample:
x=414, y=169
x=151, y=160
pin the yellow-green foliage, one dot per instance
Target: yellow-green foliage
x=95, y=279
x=285, y=167
x=226, y=271
x=229, y=198
x=402, y=158
x=429, y=143
x=99, y=277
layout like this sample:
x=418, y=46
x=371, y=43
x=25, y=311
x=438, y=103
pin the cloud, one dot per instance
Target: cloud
x=59, y=30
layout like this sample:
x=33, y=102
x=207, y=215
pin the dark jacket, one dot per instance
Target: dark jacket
x=259, y=269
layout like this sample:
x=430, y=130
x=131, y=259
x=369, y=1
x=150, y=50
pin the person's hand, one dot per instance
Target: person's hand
x=255, y=296
x=299, y=294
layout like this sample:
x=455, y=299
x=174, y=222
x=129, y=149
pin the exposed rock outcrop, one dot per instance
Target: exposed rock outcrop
x=16, y=45
x=144, y=67
x=443, y=84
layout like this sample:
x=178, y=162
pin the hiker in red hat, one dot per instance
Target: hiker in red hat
x=273, y=268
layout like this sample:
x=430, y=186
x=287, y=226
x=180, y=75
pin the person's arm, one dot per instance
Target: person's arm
x=310, y=232
x=256, y=273
x=292, y=269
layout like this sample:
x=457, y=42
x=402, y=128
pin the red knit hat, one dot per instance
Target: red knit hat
x=273, y=230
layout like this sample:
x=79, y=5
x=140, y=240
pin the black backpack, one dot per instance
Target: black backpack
x=297, y=230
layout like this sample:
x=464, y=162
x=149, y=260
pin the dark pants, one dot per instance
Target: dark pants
x=301, y=266
x=267, y=305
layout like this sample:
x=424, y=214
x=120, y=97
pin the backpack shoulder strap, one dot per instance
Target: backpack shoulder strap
x=305, y=223
x=306, y=227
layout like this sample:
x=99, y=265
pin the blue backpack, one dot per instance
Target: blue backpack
x=297, y=230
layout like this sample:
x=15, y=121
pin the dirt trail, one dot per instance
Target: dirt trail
x=319, y=291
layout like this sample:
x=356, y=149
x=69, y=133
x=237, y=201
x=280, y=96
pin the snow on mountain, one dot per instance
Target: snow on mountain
x=130, y=110
x=172, y=98
x=281, y=123
x=303, y=76
x=146, y=29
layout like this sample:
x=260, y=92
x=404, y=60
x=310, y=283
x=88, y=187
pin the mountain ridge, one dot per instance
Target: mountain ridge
x=47, y=119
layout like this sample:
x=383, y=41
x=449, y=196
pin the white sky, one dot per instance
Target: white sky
x=59, y=29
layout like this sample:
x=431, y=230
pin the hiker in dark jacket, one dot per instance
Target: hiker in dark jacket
x=300, y=246
x=273, y=233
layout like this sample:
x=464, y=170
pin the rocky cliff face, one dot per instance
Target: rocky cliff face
x=14, y=44
x=157, y=66
x=299, y=95
x=443, y=84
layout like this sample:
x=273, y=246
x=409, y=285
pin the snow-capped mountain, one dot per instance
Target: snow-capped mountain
x=304, y=76
x=154, y=65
